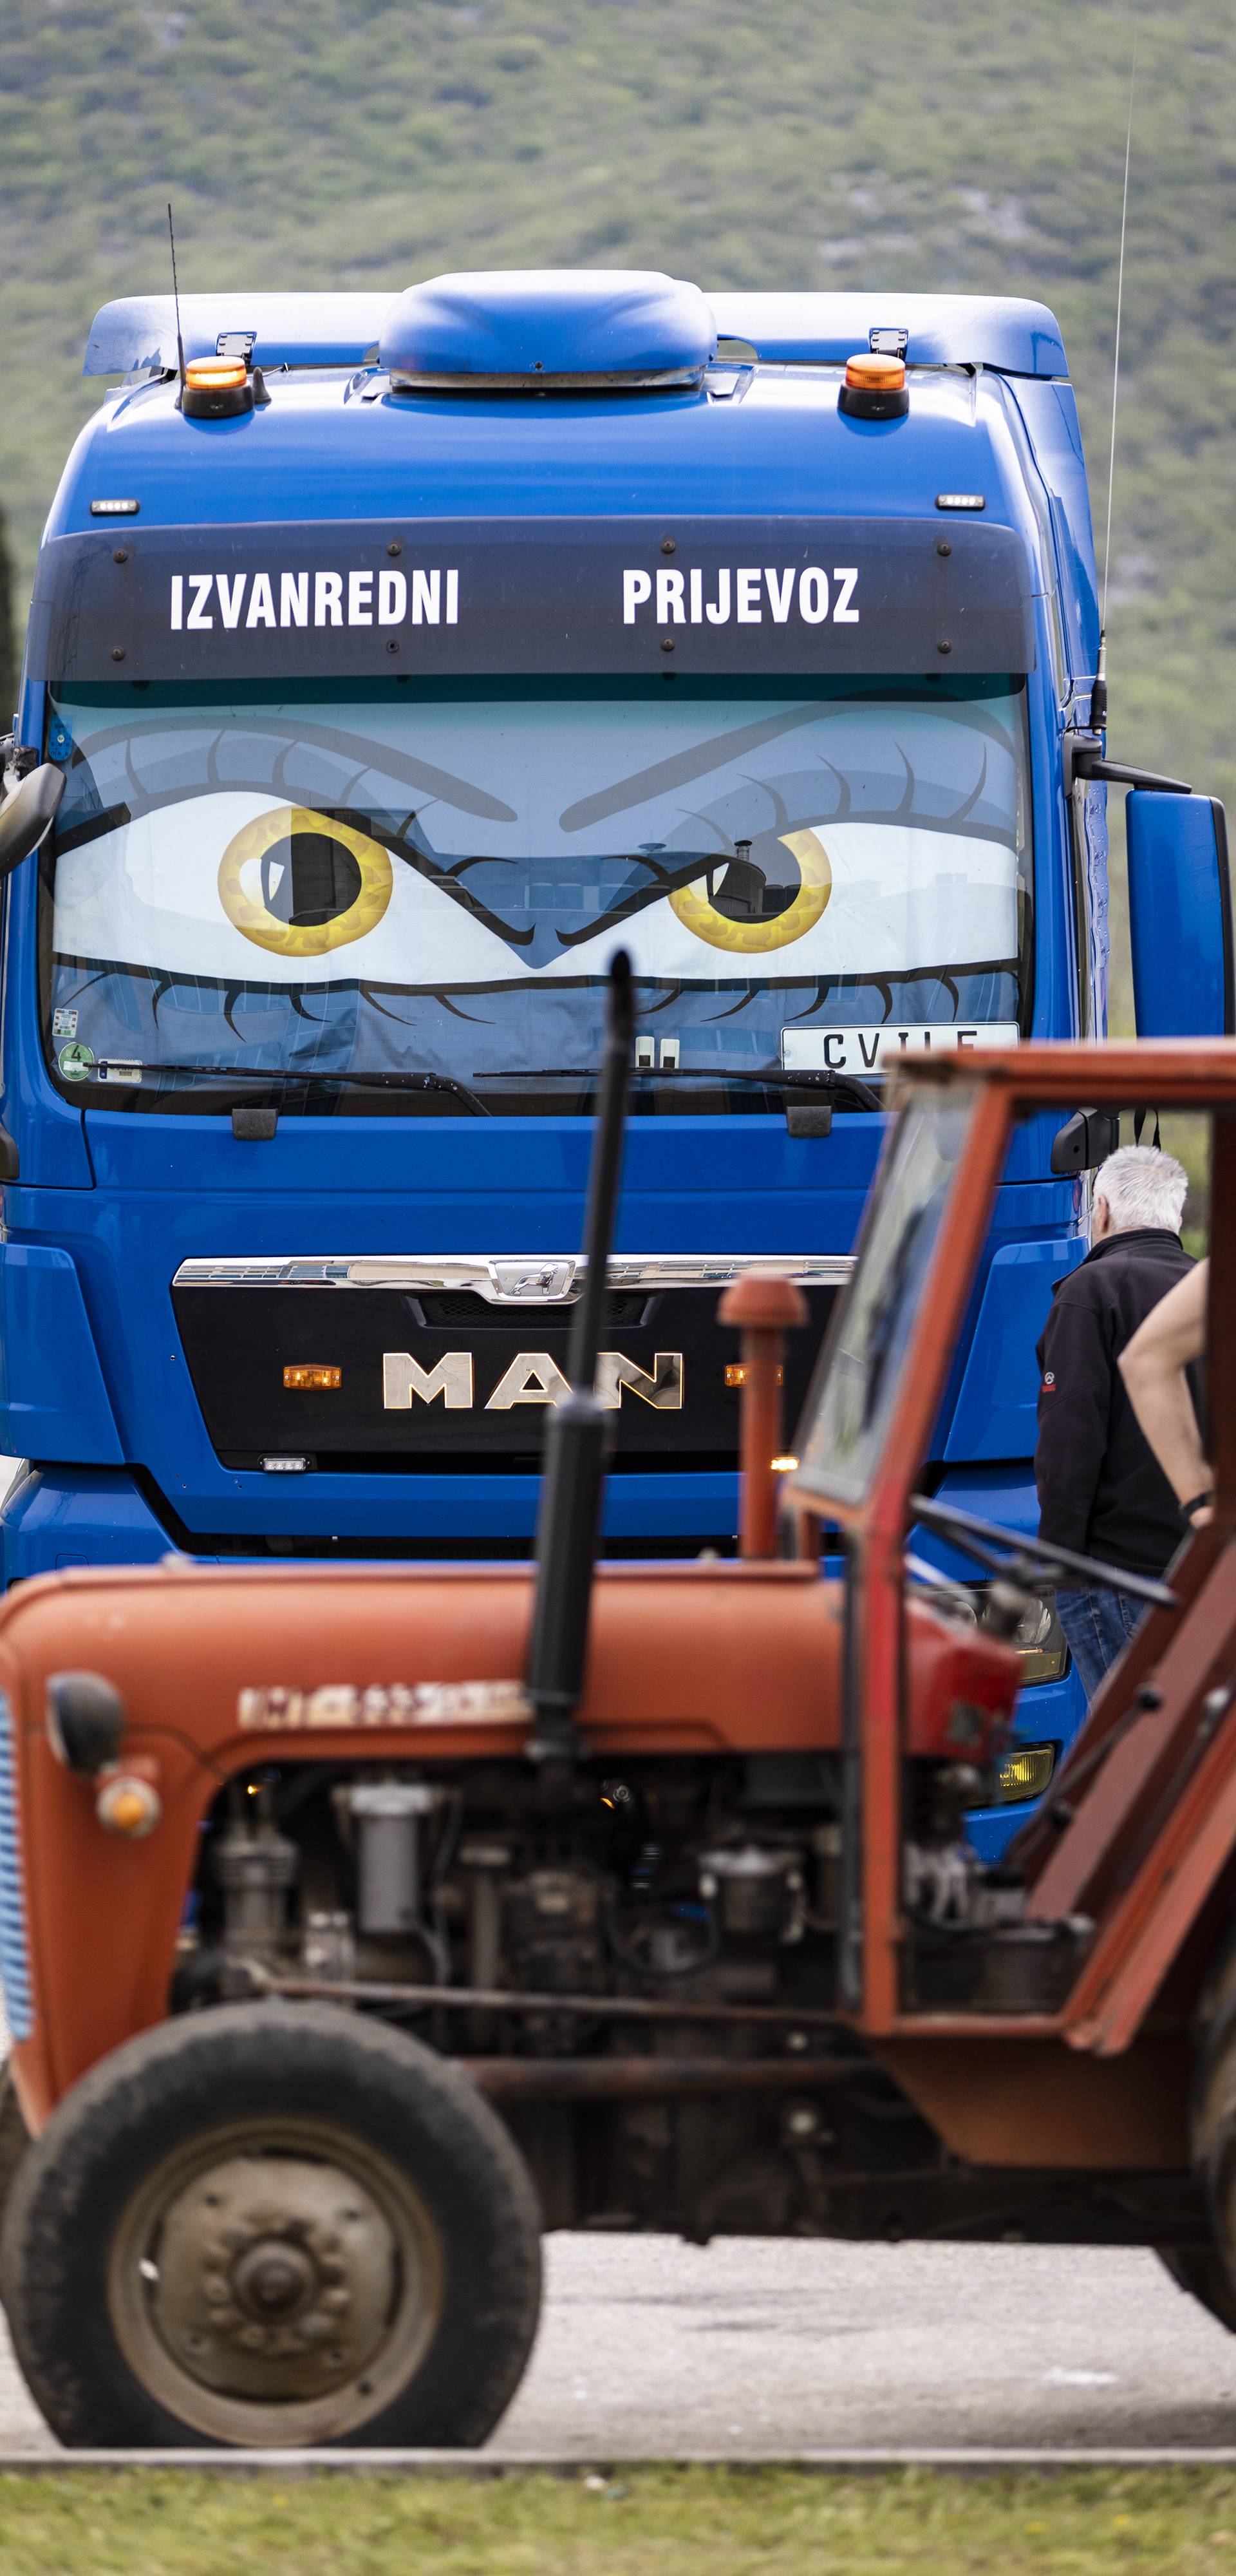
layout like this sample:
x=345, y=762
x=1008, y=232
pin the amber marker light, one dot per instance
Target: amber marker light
x=876, y=372
x=313, y=1377
x=783, y=1466
x=128, y=1807
x=874, y=387
x=215, y=375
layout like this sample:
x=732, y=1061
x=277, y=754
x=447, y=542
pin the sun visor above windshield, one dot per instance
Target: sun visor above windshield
x=445, y=599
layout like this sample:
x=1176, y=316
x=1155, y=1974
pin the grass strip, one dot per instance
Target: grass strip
x=640, y=2522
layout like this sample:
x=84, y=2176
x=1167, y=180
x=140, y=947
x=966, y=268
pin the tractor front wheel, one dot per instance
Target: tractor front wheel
x=14, y=2135
x=271, y=2225
x=1209, y=2272
x=1203, y=2272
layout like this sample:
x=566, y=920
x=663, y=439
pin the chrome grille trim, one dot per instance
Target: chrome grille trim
x=14, y=1945
x=510, y=1279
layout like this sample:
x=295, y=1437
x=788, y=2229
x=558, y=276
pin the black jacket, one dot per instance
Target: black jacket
x=1100, y=1487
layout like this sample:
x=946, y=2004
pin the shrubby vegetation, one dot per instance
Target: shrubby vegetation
x=8, y=636
x=759, y=142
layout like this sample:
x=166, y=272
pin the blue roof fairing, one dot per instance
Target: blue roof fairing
x=289, y=330
x=1007, y=332
x=571, y=320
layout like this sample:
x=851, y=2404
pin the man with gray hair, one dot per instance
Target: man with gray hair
x=1101, y=1489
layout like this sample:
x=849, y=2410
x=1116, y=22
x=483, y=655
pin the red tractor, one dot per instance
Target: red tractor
x=357, y=1924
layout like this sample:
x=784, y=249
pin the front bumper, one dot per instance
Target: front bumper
x=58, y=1516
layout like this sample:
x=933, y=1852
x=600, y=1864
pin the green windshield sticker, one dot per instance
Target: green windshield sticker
x=76, y=1061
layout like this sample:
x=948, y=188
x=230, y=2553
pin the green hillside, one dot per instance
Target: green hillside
x=917, y=143
x=8, y=627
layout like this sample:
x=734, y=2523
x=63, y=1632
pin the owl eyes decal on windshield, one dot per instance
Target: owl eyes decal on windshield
x=446, y=847
x=251, y=890
x=734, y=906
x=198, y=888
x=299, y=883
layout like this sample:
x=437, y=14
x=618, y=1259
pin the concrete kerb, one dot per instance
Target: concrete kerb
x=506, y=2464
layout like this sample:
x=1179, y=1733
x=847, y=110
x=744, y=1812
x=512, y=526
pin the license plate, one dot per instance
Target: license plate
x=869, y=1051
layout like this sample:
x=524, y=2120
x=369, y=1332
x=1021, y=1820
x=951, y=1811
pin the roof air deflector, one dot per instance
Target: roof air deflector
x=549, y=331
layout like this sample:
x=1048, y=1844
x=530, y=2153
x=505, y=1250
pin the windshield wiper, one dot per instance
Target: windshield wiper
x=397, y=1082
x=822, y=1078
x=860, y=1095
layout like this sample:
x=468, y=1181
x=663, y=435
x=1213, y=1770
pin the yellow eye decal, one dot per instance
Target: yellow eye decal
x=735, y=907
x=300, y=883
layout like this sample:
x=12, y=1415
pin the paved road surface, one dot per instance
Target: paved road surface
x=649, y=2346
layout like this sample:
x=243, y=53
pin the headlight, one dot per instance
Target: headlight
x=1040, y=1639
x=1041, y=1644
x=1024, y=1773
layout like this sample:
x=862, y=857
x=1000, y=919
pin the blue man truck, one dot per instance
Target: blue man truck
x=389, y=661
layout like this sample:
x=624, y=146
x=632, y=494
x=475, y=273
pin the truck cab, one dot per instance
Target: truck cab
x=400, y=655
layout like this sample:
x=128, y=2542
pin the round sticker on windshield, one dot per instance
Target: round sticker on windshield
x=75, y=1061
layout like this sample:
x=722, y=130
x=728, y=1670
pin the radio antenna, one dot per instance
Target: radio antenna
x=1098, y=695
x=180, y=346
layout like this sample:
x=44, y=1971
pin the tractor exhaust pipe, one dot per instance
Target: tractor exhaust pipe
x=577, y=1432
x=765, y=1306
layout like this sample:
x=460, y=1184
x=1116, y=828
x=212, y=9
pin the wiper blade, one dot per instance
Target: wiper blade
x=823, y=1079
x=860, y=1094
x=282, y=1080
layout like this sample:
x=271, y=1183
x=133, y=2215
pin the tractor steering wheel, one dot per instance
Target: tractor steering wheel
x=1024, y=1559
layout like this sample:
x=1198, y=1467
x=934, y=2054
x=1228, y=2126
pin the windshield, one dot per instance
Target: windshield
x=849, y=1407
x=424, y=887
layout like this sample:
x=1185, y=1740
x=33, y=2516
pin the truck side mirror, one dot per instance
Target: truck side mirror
x=1180, y=916
x=1085, y=1140
x=28, y=814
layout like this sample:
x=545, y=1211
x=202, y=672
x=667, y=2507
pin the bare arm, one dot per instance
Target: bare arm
x=1153, y=1368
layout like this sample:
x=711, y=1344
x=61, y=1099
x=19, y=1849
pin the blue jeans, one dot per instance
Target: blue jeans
x=1098, y=1626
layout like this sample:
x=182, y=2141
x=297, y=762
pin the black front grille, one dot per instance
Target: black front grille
x=239, y=1342
x=450, y=1306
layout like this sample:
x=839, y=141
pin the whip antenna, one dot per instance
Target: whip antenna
x=180, y=346
x=1098, y=696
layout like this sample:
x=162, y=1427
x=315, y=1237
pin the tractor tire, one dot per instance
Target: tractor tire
x=1202, y=2271
x=14, y=2135
x=270, y=2225
x=1208, y=2272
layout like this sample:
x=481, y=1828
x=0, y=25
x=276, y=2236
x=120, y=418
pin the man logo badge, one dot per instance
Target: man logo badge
x=532, y=1378
x=545, y=1282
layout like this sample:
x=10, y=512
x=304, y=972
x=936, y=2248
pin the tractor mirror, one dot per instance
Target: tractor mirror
x=1085, y=1140
x=28, y=814
x=1180, y=916
x=85, y=1722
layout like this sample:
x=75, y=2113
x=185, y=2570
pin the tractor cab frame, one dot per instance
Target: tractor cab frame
x=1069, y=2041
